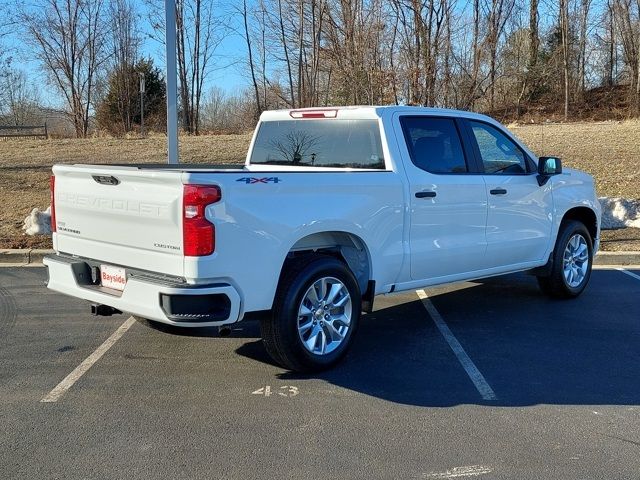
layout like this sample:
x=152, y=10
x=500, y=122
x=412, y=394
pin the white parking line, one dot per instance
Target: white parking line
x=631, y=274
x=60, y=389
x=458, y=472
x=485, y=390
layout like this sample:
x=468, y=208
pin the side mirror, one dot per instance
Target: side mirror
x=548, y=166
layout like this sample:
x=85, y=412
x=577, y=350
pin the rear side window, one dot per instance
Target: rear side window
x=319, y=143
x=434, y=144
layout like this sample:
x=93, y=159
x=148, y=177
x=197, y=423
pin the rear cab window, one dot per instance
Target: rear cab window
x=331, y=143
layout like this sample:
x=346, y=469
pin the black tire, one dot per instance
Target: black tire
x=280, y=332
x=555, y=284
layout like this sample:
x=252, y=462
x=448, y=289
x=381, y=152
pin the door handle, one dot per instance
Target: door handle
x=426, y=194
x=498, y=191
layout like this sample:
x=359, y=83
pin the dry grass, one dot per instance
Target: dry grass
x=609, y=151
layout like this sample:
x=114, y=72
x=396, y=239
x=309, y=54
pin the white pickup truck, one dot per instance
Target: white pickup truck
x=332, y=207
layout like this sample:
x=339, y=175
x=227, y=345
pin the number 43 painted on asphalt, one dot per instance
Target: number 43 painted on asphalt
x=284, y=391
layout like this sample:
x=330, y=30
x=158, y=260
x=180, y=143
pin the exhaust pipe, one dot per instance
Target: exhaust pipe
x=224, y=330
x=100, y=310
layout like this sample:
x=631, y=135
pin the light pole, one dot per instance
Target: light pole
x=172, y=81
x=142, y=91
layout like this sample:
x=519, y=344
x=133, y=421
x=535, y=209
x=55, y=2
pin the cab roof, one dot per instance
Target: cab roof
x=364, y=112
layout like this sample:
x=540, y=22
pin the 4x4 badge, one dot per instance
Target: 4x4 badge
x=249, y=180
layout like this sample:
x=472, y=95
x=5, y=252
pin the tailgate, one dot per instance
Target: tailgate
x=120, y=215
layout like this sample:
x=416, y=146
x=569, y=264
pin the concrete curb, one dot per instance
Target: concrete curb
x=33, y=256
x=26, y=256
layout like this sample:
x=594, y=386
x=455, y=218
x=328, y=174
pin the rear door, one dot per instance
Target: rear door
x=520, y=211
x=121, y=216
x=448, y=201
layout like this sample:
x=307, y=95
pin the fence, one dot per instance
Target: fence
x=9, y=131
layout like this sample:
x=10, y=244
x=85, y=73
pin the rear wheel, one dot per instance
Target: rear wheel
x=572, y=262
x=315, y=315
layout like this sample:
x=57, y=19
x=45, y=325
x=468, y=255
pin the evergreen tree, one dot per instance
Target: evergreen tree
x=119, y=110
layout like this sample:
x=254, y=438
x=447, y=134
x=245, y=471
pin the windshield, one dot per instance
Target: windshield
x=319, y=143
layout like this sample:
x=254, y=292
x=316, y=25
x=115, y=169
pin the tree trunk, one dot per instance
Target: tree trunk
x=251, y=65
x=612, y=33
x=286, y=55
x=300, y=51
x=475, y=70
x=582, y=47
x=182, y=66
x=564, y=33
x=534, y=43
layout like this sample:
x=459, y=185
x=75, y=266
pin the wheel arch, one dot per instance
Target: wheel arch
x=346, y=246
x=586, y=216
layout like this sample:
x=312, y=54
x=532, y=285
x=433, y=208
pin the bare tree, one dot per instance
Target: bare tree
x=430, y=30
x=483, y=54
x=448, y=87
x=252, y=68
x=392, y=55
x=5, y=27
x=534, y=39
x=68, y=39
x=583, y=15
x=627, y=19
x=609, y=42
x=201, y=26
x=476, y=52
x=212, y=107
x=313, y=18
x=534, y=46
x=19, y=101
x=227, y=113
x=564, y=36
x=124, y=46
x=497, y=14
x=285, y=49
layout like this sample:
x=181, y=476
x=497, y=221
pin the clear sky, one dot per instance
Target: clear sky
x=228, y=72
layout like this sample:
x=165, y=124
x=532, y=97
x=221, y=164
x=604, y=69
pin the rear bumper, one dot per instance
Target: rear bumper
x=151, y=297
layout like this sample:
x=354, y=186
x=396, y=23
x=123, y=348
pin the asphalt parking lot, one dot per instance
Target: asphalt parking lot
x=493, y=381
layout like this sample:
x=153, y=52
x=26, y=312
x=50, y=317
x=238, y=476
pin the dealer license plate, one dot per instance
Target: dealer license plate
x=113, y=277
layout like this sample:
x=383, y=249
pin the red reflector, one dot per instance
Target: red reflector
x=199, y=237
x=320, y=113
x=197, y=232
x=52, y=183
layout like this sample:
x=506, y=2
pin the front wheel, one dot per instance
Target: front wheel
x=316, y=313
x=572, y=262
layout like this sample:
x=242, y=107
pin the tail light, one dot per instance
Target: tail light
x=197, y=232
x=52, y=183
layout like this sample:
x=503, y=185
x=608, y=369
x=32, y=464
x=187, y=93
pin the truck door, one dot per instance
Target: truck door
x=519, y=220
x=448, y=201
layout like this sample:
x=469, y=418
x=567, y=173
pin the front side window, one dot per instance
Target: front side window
x=500, y=155
x=319, y=143
x=434, y=144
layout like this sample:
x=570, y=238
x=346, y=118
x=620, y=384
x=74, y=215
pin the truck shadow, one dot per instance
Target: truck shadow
x=180, y=331
x=530, y=349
